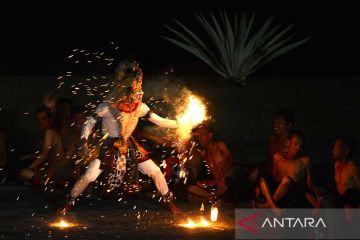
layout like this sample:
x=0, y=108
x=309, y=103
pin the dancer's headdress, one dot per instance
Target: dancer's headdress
x=128, y=81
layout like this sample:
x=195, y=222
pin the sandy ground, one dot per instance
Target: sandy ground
x=25, y=213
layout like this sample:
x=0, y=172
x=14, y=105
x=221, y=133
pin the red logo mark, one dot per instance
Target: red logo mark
x=251, y=217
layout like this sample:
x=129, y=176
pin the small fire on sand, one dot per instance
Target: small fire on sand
x=202, y=222
x=62, y=224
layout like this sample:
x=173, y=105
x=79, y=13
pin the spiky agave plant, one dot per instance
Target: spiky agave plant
x=235, y=50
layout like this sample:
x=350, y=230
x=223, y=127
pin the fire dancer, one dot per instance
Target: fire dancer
x=117, y=151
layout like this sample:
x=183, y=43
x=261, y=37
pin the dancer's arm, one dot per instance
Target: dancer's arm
x=156, y=119
x=87, y=127
x=100, y=111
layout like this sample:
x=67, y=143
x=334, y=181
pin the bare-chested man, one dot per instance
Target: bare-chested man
x=289, y=169
x=219, y=162
x=44, y=164
x=64, y=127
x=347, y=173
x=283, y=123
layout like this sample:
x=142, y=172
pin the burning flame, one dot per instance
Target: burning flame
x=202, y=208
x=62, y=224
x=194, y=113
x=191, y=224
x=204, y=223
x=214, y=214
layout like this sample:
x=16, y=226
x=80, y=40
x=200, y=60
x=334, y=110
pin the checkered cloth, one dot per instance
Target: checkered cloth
x=125, y=170
x=117, y=174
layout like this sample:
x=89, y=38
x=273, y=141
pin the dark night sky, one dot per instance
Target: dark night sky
x=39, y=41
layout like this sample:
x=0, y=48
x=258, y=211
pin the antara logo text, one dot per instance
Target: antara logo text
x=293, y=222
x=285, y=222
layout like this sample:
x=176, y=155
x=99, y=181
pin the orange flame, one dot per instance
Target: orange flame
x=204, y=223
x=200, y=224
x=194, y=113
x=62, y=224
x=190, y=224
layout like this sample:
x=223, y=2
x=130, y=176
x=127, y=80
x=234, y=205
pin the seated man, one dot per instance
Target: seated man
x=347, y=174
x=283, y=124
x=62, y=124
x=289, y=171
x=42, y=166
x=70, y=133
x=219, y=163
